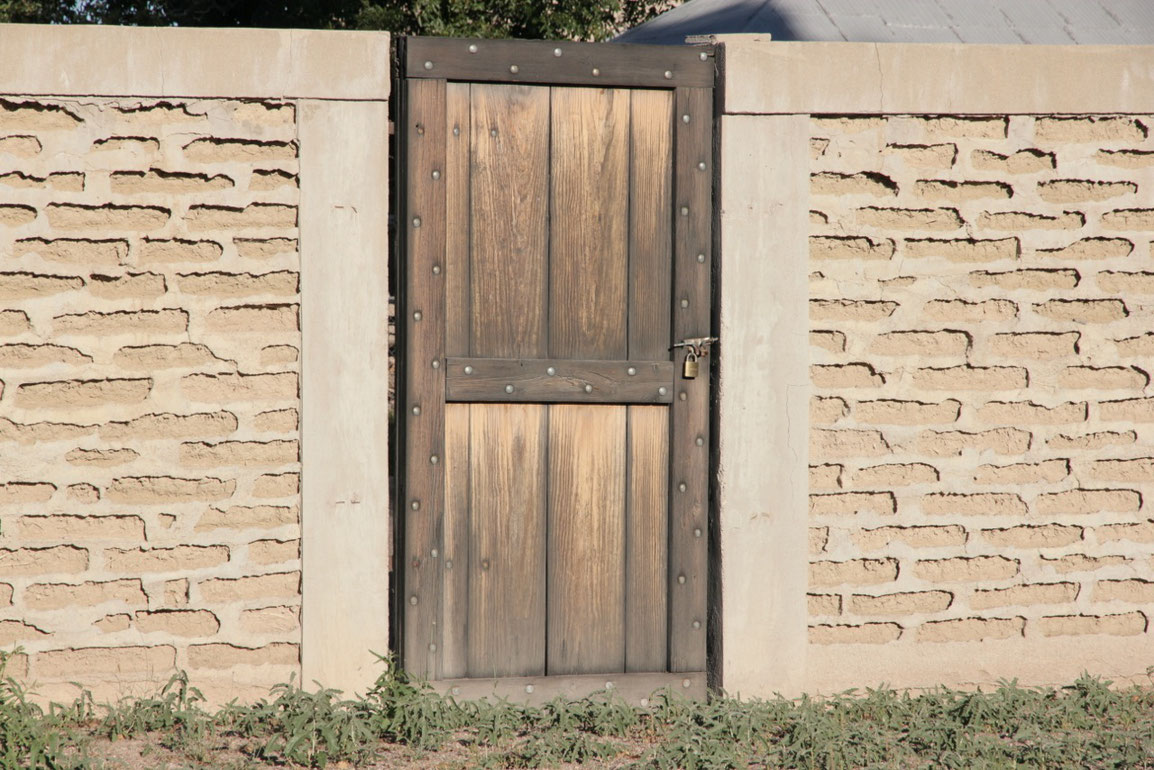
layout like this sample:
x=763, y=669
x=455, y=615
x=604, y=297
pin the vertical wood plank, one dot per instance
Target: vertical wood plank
x=509, y=199
x=457, y=141
x=689, y=418
x=506, y=628
x=424, y=402
x=586, y=561
x=454, y=555
x=650, y=218
x=647, y=539
x=588, y=239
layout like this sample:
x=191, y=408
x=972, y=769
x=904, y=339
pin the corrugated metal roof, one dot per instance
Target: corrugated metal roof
x=1083, y=22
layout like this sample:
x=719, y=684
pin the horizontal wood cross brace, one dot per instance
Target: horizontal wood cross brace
x=559, y=381
x=561, y=63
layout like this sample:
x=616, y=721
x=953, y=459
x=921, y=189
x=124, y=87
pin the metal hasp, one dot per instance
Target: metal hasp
x=556, y=209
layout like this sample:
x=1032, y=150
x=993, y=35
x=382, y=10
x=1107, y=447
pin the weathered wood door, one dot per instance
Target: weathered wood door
x=556, y=230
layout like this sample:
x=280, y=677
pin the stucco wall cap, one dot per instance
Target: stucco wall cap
x=765, y=78
x=81, y=60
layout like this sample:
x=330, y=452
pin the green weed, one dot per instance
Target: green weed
x=175, y=711
x=311, y=728
x=1088, y=724
x=28, y=736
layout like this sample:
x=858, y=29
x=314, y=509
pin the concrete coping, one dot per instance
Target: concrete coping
x=765, y=78
x=81, y=60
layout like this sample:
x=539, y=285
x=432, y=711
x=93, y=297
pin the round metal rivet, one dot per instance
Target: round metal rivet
x=492, y=132
x=700, y=441
x=551, y=371
x=701, y=258
x=432, y=648
x=456, y=130
x=697, y=624
x=428, y=65
x=416, y=221
x=697, y=532
x=472, y=48
x=685, y=118
x=703, y=56
x=420, y=130
x=436, y=174
x=686, y=683
x=684, y=211
x=434, y=553
x=508, y=388
x=468, y=370
x=556, y=51
x=681, y=579
x=596, y=72
x=415, y=505
x=681, y=395
x=433, y=459
x=631, y=371
x=528, y=688
x=682, y=487
x=436, y=269
x=588, y=388
x=668, y=75
x=700, y=165
x=449, y=564
x=413, y=600
x=436, y=363
x=685, y=303
x=662, y=391
x=416, y=315
x=416, y=410
x=514, y=68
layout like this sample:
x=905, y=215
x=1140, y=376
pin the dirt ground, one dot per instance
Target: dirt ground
x=150, y=753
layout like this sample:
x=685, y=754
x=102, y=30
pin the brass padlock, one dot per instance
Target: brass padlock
x=691, y=365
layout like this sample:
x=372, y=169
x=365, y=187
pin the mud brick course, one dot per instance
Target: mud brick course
x=149, y=393
x=982, y=429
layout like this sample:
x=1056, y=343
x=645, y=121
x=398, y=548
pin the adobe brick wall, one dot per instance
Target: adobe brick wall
x=982, y=420
x=149, y=365
x=951, y=484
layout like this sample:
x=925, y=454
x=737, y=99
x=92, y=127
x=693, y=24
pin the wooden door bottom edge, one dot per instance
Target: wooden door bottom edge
x=635, y=689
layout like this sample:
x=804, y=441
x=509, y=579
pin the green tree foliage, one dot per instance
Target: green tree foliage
x=534, y=19
x=38, y=12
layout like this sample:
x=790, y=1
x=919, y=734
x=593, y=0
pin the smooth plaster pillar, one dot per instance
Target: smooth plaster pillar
x=763, y=473
x=344, y=391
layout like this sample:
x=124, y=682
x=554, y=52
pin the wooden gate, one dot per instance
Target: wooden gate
x=555, y=231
